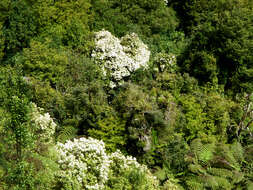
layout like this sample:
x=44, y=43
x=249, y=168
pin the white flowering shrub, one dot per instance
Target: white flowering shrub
x=119, y=57
x=44, y=126
x=166, y=62
x=84, y=164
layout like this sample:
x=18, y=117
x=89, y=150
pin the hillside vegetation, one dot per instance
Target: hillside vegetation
x=126, y=94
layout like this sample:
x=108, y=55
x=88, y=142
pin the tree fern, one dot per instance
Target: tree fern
x=203, y=152
x=214, y=165
x=226, y=157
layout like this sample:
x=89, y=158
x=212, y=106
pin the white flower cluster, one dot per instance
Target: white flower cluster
x=119, y=57
x=44, y=125
x=85, y=160
x=166, y=62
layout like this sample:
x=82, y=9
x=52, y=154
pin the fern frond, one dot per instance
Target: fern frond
x=160, y=173
x=194, y=184
x=66, y=133
x=223, y=183
x=206, y=155
x=221, y=172
x=208, y=181
x=197, y=169
x=237, y=151
x=238, y=177
x=249, y=185
x=227, y=155
x=196, y=146
x=203, y=152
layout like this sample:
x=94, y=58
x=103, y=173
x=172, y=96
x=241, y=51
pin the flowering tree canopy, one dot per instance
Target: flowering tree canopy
x=119, y=57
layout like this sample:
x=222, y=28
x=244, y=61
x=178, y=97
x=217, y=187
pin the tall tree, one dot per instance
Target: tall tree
x=222, y=41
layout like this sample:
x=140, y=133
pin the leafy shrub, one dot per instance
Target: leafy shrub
x=42, y=62
x=127, y=173
x=112, y=131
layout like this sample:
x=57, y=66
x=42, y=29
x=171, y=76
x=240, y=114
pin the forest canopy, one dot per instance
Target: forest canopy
x=133, y=94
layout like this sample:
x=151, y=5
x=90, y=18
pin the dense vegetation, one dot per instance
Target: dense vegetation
x=185, y=113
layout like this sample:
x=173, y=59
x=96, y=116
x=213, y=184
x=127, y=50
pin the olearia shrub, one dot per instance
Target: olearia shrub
x=119, y=58
x=43, y=125
x=40, y=162
x=84, y=164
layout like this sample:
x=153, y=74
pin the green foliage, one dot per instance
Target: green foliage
x=48, y=98
x=84, y=100
x=188, y=116
x=165, y=62
x=171, y=184
x=20, y=168
x=170, y=81
x=192, y=122
x=21, y=176
x=126, y=173
x=173, y=153
x=149, y=17
x=15, y=102
x=204, y=67
x=214, y=165
x=19, y=27
x=129, y=179
x=112, y=131
x=133, y=99
x=222, y=39
x=64, y=23
x=42, y=62
x=151, y=20
x=4, y=7
x=1, y=42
